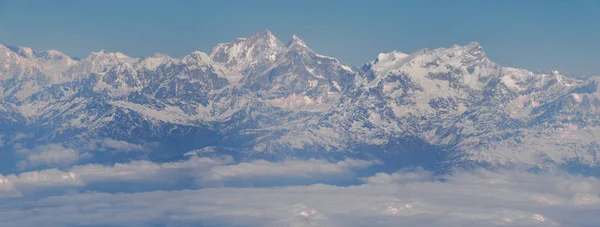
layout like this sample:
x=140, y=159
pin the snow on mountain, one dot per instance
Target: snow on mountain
x=111, y=73
x=258, y=96
x=292, y=76
x=51, y=62
x=389, y=61
x=155, y=61
x=249, y=55
x=20, y=76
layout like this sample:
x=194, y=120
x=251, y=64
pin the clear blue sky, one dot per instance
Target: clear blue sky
x=532, y=34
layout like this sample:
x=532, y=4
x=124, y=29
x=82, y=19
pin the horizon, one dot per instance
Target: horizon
x=534, y=35
x=232, y=40
x=542, y=71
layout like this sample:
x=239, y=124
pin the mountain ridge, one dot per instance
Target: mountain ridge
x=259, y=96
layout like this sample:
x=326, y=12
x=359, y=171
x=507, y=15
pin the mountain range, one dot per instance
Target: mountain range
x=258, y=97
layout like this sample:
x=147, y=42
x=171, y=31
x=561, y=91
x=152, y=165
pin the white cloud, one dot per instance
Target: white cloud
x=47, y=155
x=148, y=171
x=311, y=168
x=404, y=198
x=404, y=176
x=115, y=145
x=464, y=199
x=204, y=171
x=134, y=172
x=7, y=188
x=65, y=155
x=21, y=136
x=45, y=178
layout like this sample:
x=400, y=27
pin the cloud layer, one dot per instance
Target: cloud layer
x=481, y=198
x=57, y=155
x=48, y=155
x=194, y=172
x=403, y=198
x=220, y=191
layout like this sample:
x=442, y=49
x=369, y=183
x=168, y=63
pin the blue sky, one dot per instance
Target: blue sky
x=534, y=34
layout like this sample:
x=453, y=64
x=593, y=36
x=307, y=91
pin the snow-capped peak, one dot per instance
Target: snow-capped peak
x=456, y=56
x=101, y=61
x=465, y=65
x=122, y=56
x=386, y=62
x=31, y=54
x=298, y=46
x=101, y=52
x=266, y=34
x=197, y=57
x=25, y=52
x=469, y=53
x=448, y=97
x=54, y=55
x=13, y=52
x=107, y=56
x=390, y=57
x=247, y=53
x=295, y=40
x=155, y=61
x=51, y=62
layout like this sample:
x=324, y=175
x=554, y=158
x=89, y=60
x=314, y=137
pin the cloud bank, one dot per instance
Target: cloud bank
x=56, y=155
x=403, y=198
